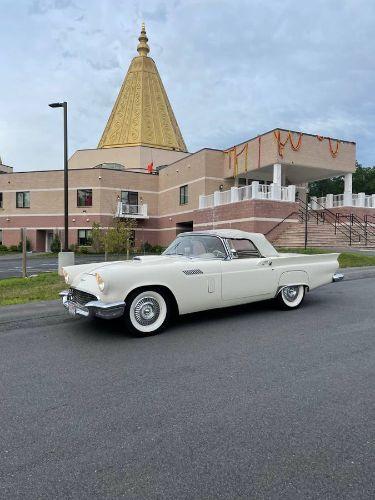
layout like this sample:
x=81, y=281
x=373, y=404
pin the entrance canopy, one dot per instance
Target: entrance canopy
x=303, y=157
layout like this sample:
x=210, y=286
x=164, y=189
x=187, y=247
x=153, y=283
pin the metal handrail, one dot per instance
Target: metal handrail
x=279, y=223
x=346, y=229
x=362, y=223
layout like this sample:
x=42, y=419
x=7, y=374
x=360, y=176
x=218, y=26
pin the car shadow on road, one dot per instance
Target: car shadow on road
x=115, y=329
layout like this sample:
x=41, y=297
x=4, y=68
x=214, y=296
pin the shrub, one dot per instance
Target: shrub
x=3, y=248
x=157, y=249
x=56, y=244
x=83, y=250
x=28, y=246
x=146, y=247
x=13, y=248
x=73, y=248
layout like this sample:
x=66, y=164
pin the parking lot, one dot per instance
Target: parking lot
x=248, y=402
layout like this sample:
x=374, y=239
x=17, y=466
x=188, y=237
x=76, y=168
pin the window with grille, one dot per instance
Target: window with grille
x=184, y=195
x=84, y=197
x=23, y=199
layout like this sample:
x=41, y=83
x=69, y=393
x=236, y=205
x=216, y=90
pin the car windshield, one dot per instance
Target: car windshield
x=197, y=246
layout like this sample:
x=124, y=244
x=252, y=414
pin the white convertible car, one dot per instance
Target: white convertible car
x=198, y=271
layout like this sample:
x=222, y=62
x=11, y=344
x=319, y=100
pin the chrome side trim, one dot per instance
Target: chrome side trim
x=337, y=277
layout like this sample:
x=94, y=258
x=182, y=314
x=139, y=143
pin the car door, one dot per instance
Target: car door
x=247, y=274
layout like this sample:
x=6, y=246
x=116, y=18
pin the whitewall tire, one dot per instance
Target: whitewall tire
x=291, y=297
x=147, y=312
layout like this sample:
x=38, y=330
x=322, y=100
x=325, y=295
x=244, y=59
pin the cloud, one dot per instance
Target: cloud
x=232, y=70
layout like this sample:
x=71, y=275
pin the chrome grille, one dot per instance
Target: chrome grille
x=81, y=297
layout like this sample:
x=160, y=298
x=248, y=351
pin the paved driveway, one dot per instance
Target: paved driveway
x=11, y=266
x=247, y=402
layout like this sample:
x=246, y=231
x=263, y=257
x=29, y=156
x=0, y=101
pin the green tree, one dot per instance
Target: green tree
x=56, y=244
x=363, y=182
x=120, y=237
x=97, y=236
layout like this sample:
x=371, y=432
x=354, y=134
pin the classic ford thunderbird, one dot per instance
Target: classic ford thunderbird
x=198, y=271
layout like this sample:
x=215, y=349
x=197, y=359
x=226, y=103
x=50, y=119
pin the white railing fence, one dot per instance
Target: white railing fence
x=254, y=191
x=132, y=211
x=343, y=200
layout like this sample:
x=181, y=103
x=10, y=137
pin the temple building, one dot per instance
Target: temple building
x=142, y=169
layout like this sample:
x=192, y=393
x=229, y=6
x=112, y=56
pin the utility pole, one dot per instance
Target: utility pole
x=66, y=258
x=24, y=265
x=306, y=216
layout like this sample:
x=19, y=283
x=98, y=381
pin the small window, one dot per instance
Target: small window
x=1, y=236
x=184, y=195
x=243, y=249
x=23, y=199
x=129, y=197
x=1, y=200
x=84, y=197
x=84, y=237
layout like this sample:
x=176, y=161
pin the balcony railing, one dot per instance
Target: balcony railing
x=132, y=211
x=254, y=191
x=343, y=200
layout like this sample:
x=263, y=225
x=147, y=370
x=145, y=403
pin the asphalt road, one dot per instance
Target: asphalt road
x=248, y=402
x=11, y=266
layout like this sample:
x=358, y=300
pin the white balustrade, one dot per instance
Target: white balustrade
x=253, y=191
x=343, y=200
x=131, y=211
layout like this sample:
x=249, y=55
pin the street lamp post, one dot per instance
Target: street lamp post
x=69, y=256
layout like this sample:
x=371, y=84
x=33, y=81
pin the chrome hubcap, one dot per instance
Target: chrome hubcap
x=146, y=311
x=290, y=293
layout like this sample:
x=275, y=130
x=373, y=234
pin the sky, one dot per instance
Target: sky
x=232, y=70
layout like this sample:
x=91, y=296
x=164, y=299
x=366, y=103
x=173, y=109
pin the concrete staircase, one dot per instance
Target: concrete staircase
x=318, y=235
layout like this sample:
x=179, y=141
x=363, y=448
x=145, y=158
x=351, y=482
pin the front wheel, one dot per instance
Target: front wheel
x=146, y=312
x=291, y=297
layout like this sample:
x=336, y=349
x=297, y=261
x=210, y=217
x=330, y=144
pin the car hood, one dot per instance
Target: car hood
x=74, y=272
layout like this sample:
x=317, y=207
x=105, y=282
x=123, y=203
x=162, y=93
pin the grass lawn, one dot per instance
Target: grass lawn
x=46, y=286
x=346, y=259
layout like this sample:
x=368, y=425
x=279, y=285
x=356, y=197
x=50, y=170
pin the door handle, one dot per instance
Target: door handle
x=266, y=262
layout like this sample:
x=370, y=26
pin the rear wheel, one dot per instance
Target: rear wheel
x=147, y=312
x=291, y=297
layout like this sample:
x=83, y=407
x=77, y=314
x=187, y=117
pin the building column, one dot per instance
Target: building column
x=233, y=194
x=291, y=192
x=275, y=191
x=329, y=201
x=255, y=189
x=361, y=199
x=373, y=200
x=348, y=190
x=277, y=174
x=314, y=203
x=216, y=198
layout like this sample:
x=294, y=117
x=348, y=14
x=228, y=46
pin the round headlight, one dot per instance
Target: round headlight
x=100, y=282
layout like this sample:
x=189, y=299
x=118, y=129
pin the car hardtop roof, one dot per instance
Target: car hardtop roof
x=224, y=233
x=259, y=240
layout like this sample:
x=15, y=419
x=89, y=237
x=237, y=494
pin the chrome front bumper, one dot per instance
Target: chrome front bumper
x=92, y=308
x=337, y=277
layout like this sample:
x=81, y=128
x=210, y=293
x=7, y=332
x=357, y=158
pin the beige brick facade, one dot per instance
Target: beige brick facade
x=108, y=172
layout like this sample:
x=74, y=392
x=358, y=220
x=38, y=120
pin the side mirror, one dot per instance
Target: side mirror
x=233, y=253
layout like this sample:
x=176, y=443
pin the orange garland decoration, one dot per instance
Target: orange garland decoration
x=235, y=157
x=280, y=144
x=334, y=153
x=295, y=147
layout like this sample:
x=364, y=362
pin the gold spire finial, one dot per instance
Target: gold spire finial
x=143, y=48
